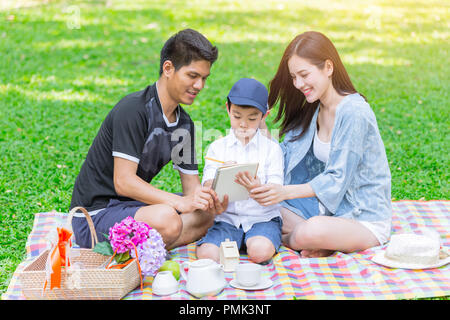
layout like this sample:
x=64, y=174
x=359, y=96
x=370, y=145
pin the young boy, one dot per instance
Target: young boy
x=256, y=227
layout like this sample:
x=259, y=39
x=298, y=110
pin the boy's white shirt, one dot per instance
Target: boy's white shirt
x=260, y=149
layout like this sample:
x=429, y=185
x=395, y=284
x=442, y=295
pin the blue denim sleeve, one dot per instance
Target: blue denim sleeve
x=285, y=151
x=346, y=152
x=331, y=185
x=283, y=144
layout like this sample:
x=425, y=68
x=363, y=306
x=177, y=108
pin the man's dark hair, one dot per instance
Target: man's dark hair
x=186, y=46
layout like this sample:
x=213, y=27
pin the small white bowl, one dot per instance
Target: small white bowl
x=164, y=284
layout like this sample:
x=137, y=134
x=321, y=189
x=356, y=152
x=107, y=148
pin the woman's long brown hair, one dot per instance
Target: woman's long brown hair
x=294, y=110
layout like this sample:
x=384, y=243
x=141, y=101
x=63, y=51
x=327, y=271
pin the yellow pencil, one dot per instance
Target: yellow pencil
x=208, y=158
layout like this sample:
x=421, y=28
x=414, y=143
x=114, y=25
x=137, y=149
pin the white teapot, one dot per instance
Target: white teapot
x=205, y=277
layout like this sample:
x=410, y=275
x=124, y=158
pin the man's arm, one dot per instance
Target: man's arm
x=189, y=183
x=128, y=184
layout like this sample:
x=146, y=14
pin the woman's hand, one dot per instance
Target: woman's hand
x=269, y=194
x=246, y=180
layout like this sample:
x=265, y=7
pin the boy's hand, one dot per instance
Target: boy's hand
x=246, y=180
x=208, y=183
x=217, y=207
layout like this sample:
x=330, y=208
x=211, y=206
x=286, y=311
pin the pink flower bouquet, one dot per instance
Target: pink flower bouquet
x=131, y=237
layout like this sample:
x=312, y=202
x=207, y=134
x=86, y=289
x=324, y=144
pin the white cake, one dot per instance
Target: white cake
x=416, y=249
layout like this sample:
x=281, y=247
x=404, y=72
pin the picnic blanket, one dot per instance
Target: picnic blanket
x=340, y=276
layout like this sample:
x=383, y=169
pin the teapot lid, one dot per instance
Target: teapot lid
x=202, y=263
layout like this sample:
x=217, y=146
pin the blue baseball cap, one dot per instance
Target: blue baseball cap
x=249, y=92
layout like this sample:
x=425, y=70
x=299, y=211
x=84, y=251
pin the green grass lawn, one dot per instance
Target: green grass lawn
x=62, y=68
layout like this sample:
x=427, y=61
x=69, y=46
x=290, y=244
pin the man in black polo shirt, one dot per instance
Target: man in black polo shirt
x=139, y=136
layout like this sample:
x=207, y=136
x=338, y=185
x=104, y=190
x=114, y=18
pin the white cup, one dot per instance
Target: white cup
x=164, y=283
x=248, y=274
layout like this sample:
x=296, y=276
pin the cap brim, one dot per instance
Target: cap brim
x=247, y=102
x=381, y=259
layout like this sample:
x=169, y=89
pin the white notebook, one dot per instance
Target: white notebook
x=224, y=181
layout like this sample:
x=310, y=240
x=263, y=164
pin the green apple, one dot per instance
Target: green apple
x=170, y=265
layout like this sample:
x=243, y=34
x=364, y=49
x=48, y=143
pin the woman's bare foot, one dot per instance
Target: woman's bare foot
x=315, y=253
x=305, y=253
x=285, y=239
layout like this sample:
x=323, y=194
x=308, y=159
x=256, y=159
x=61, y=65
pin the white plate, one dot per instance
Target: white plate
x=264, y=284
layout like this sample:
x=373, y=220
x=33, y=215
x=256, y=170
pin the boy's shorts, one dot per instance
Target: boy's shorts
x=222, y=230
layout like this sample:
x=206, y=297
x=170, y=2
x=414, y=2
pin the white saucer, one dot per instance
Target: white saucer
x=264, y=284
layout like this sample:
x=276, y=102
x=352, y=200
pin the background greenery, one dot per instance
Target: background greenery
x=65, y=64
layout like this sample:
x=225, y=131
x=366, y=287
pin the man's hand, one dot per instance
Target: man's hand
x=201, y=199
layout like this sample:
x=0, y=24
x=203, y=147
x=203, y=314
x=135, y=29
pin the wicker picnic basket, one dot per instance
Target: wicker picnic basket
x=92, y=281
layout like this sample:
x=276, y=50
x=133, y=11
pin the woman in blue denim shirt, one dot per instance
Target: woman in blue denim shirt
x=337, y=189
